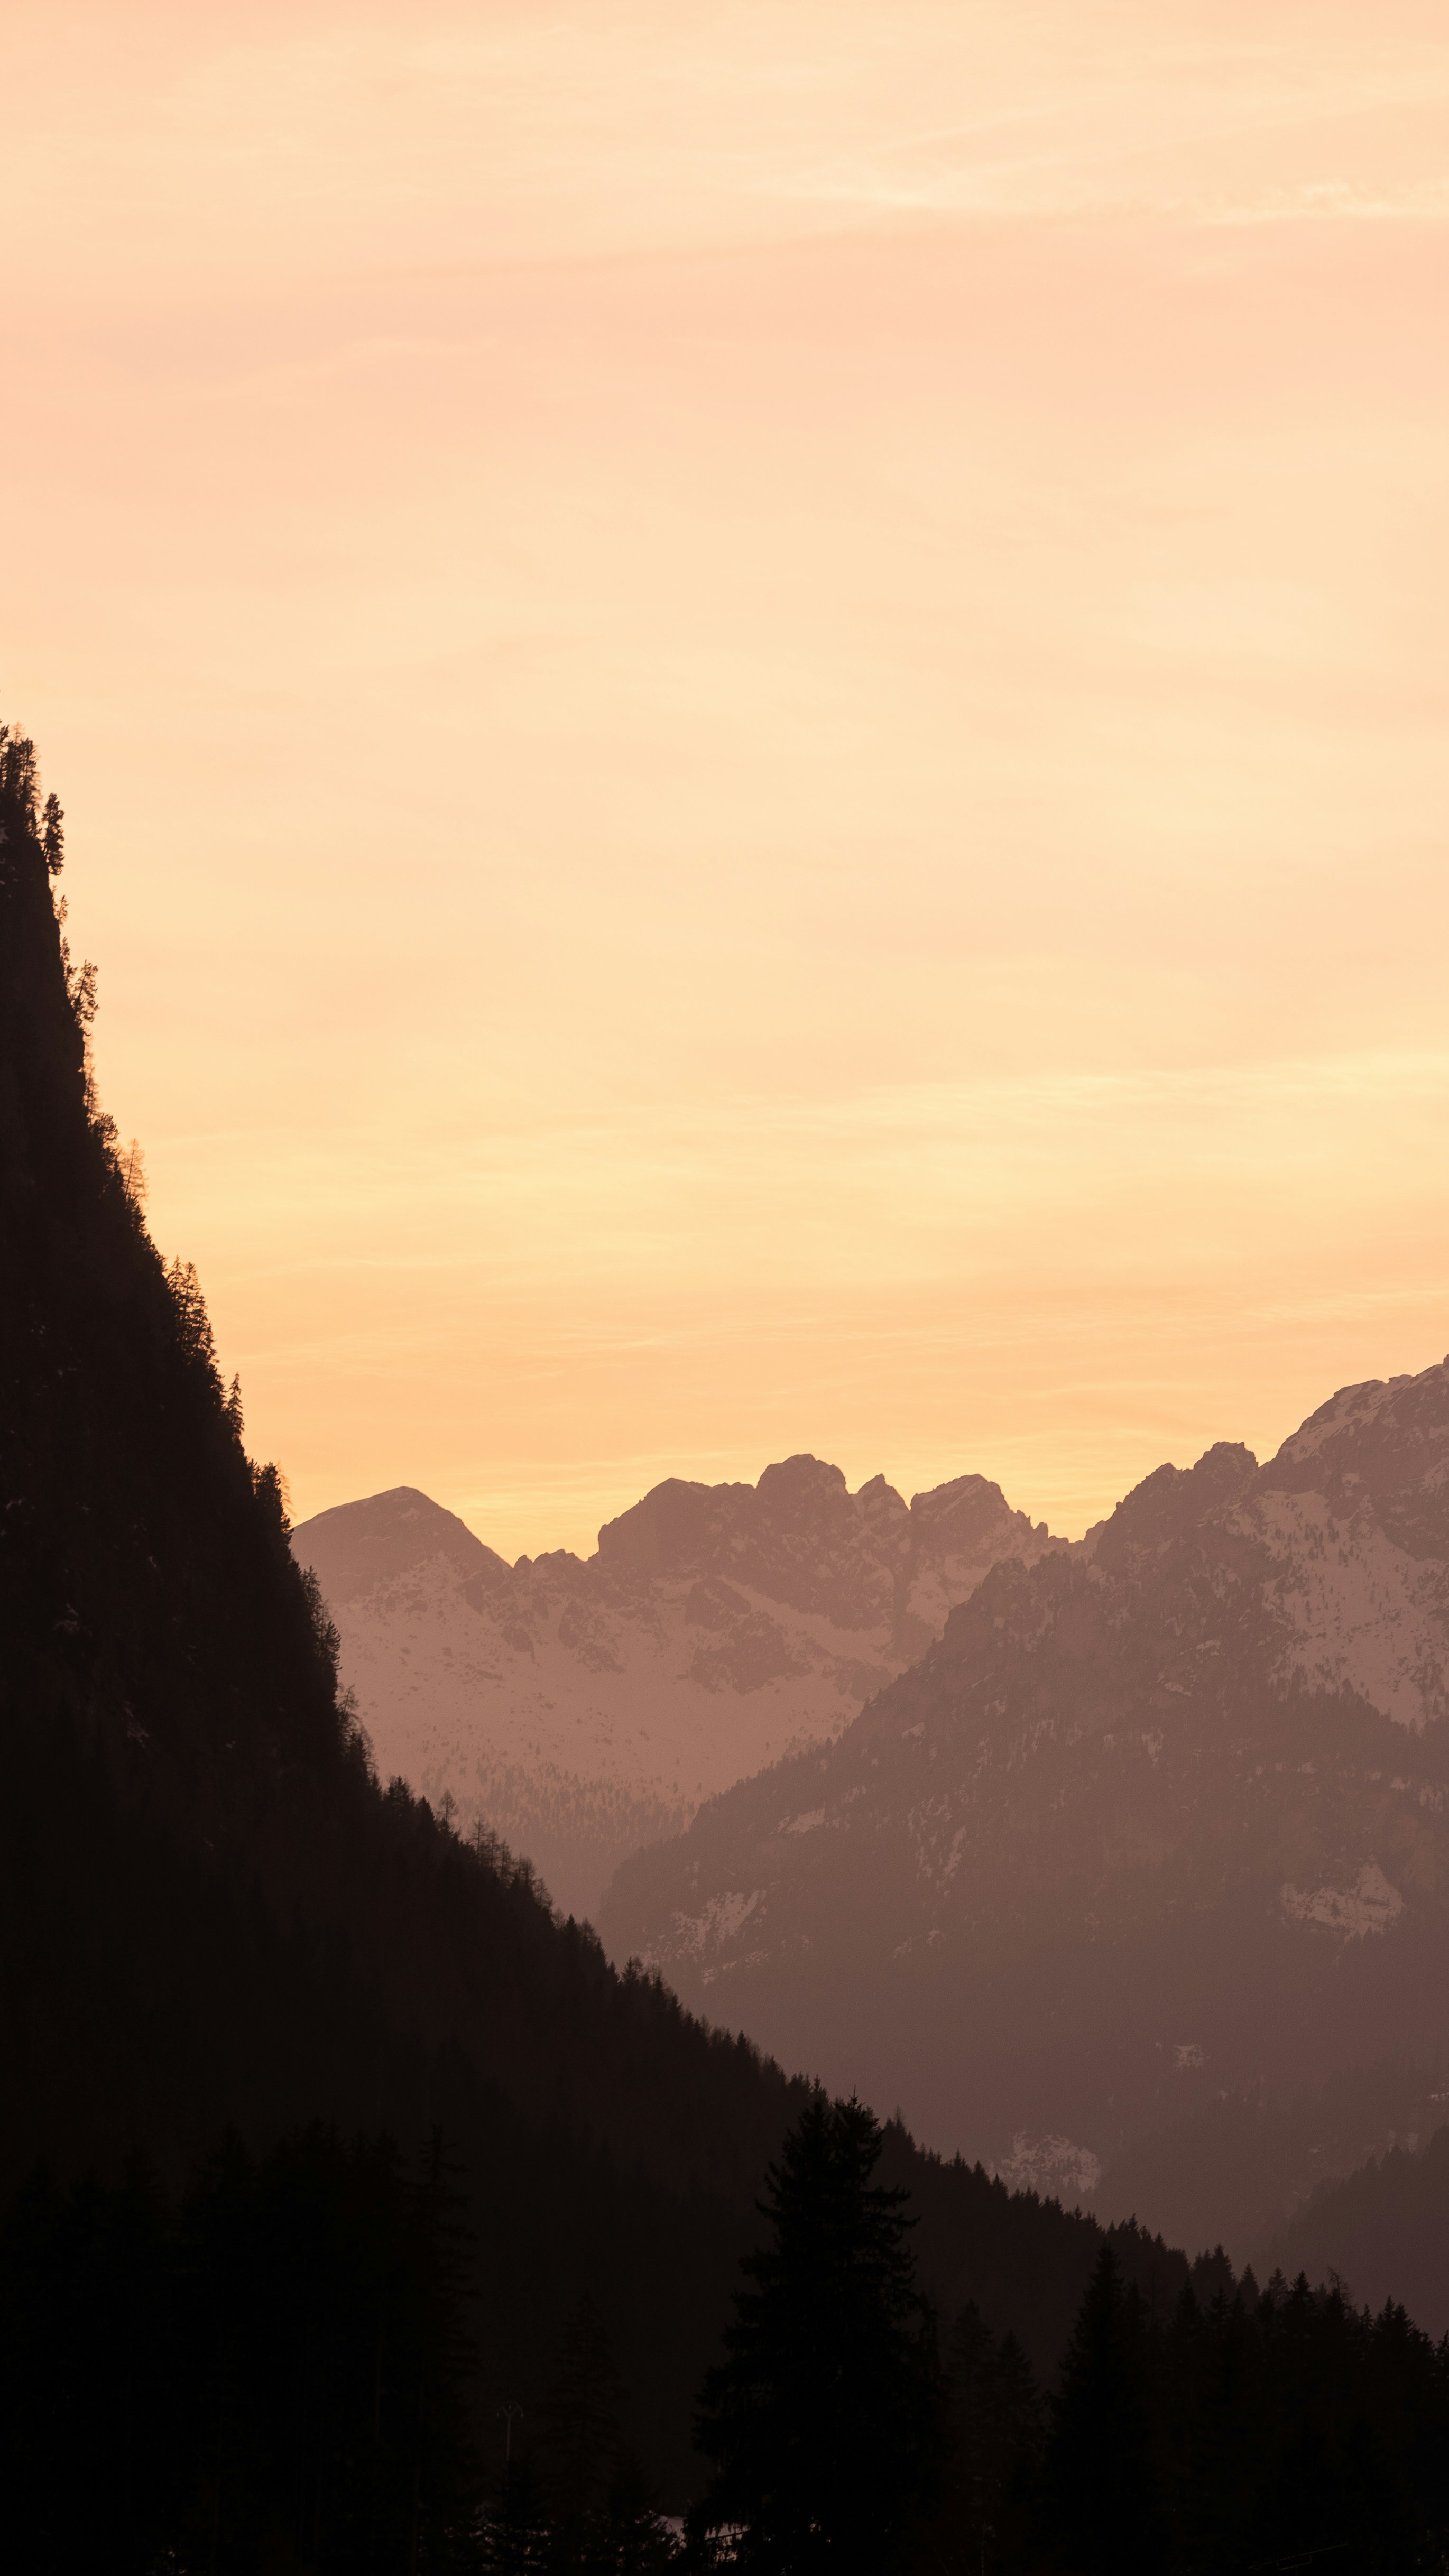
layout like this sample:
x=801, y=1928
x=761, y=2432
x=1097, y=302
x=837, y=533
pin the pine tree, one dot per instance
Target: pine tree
x=52, y=836
x=582, y=2435
x=1214, y=2421
x=19, y=773
x=445, y=2468
x=1102, y=2499
x=130, y=1162
x=993, y=2439
x=515, y=2536
x=821, y=2421
x=633, y=2540
x=193, y=1324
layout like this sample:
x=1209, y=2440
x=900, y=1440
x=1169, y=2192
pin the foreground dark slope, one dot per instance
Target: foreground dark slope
x=167, y=1681
x=1157, y=1821
x=210, y=1913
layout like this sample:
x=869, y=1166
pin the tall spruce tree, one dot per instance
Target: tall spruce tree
x=582, y=2436
x=1103, y=2505
x=822, y=2419
x=52, y=836
x=603, y=2520
x=993, y=2425
x=515, y=2532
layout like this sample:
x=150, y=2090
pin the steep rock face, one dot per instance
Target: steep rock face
x=583, y=1707
x=1158, y=1817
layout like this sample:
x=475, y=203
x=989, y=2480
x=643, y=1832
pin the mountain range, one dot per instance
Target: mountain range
x=585, y=1706
x=1157, y=1829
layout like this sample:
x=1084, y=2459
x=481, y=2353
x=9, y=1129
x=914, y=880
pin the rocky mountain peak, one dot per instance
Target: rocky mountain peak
x=356, y=1545
x=884, y=1510
x=1380, y=1448
x=1172, y=1502
x=669, y=1529
x=802, y=1483
x=585, y=1706
x=799, y=1537
x=965, y=1510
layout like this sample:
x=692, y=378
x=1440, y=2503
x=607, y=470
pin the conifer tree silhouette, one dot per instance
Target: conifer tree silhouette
x=582, y=2442
x=821, y=2420
x=52, y=837
x=1102, y=2499
x=444, y=2465
x=993, y=2429
x=603, y=2518
x=131, y=1173
x=634, y=2541
x=516, y=2536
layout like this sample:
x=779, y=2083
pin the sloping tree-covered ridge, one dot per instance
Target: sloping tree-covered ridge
x=1244, y=2430
x=274, y=2369
x=214, y=1919
x=1216, y=2428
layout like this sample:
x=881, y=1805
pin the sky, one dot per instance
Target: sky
x=751, y=702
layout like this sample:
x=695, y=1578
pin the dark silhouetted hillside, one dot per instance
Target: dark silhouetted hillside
x=213, y=1918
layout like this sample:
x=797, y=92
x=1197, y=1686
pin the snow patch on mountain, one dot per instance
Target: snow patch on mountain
x=1056, y=2168
x=717, y=1926
x=1361, y=1613
x=1369, y=1905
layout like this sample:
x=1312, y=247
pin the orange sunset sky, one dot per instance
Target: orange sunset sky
x=752, y=708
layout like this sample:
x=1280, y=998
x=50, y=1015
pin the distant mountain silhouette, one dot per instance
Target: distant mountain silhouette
x=1384, y=2231
x=1242, y=2163
x=213, y=1918
x=583, y=1707
x=1155, y=1821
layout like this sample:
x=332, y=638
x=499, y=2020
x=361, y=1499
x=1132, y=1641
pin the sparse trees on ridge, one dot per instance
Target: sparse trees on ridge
x=193, y=1324
x=19, y=772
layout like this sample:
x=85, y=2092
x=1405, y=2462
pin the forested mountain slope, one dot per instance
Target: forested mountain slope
x=211, y=1915
x=1248, y=2159
x=1388, y=2223
x=1152, y=1823
x=585, y=1706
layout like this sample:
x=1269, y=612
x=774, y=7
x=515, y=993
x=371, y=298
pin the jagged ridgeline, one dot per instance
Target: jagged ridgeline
x=212, y=1916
